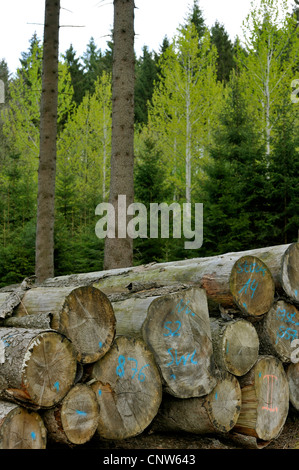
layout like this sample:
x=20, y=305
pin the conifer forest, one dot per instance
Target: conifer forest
x=216, y=122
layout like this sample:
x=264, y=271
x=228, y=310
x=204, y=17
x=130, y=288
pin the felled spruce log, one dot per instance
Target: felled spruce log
x=83, y=314
x=37, y=367
x=265, y=400
x=128, y=386
x=235, y=345
x=75, y=419
x=278, y=328
x=217, y=412
x=233, y=280
x=176, y=327
x=21, y=428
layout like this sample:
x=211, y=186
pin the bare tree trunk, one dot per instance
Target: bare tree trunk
x=44, y=266
x=119, y=250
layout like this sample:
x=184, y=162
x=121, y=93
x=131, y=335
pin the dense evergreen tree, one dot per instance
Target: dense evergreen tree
x=146, y=74
x=233, y=192
x=195, y=16
x=282, y=182
x=77, y=74
x=225, y=49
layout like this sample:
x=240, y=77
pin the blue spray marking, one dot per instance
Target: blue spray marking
x=33, y=435
x=172, y=376
x=244, y=305
x=56, y=385
x=216, y=396
x=100, y=344
x=227, y=347
x=81, y=413
x=296, y=293
x=100, y=392
x=260, y=374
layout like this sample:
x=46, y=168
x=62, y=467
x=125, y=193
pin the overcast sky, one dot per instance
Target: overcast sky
x=153, y=20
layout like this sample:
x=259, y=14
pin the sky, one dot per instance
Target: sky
x=154, y=19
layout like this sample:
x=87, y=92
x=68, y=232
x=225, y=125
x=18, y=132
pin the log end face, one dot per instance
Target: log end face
x=290, y=272
x=252, y=286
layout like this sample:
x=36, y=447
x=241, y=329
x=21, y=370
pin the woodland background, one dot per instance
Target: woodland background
x=216, y=122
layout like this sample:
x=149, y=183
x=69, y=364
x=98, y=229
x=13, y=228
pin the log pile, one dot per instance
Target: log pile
x=200, y=346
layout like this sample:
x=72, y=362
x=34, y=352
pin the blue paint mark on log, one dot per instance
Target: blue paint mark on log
x=216, y=396
x=100, y=344
x=33, y=435
x=81, y=413
x=100, y=392
x=56, y=385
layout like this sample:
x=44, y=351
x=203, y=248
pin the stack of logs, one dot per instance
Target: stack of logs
x=201, y=345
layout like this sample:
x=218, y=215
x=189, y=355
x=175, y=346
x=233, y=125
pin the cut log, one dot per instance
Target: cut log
x=265, y=400
x=177, y=330
x=235, y=281
x=278, y=329
x=235, y=345
x=75, y=420
x=292, y=371
x=129, y=390
x=83, y=314
x=37, y=367
x=21, y=428
x=215, y=413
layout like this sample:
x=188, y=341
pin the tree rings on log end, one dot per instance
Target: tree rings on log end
x=223, y=404
x=21, y=428
x=278, y=329
x=39, y=366
x=76, y=419
x=83, y=314
x=235, y=345
x=290, y=272
x=177, y=330
x=252, y=286
x=265, y=400
x=87, y=318
x=128, y=387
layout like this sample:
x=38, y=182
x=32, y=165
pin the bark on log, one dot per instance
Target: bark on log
x=215, y=413
x=235, y=345
x=265, y=400
x=177, y=330
x=292, y=371
x=278, y=329
x=75, y=419
x=83, y=314
x=21, y=428
x=128, y=387
x=234, y=280
x=37, y=367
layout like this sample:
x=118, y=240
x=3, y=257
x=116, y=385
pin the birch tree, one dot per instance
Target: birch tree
x=271, y=53
x=184, y=105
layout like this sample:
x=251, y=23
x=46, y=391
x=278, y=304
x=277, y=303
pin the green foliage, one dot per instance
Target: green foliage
x=214, y=124
x=233, y=192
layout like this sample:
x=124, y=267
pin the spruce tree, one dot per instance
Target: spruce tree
x=146, y=73
x=283, y=188
x=76, y=72
x=233, y=191
x=225, y=49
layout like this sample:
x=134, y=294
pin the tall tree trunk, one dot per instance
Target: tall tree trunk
x=119, y=250
x=44, y=264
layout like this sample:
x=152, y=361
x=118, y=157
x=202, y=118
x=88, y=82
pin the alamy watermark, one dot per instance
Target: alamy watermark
x=146, y=225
